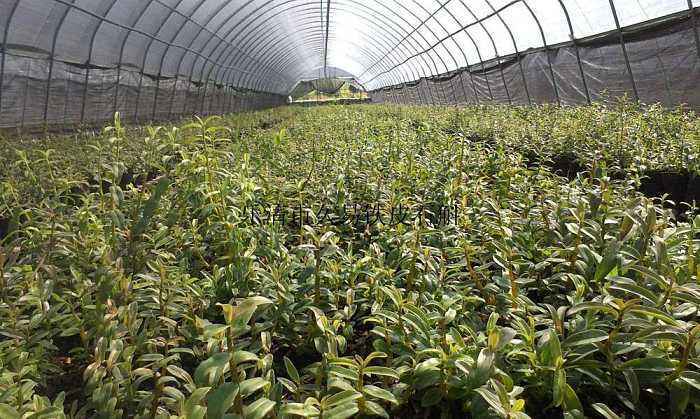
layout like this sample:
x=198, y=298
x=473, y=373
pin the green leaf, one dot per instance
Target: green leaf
x=680, y=396
x=380, y=393
x=632, y=383
x=240, y=357
x=605, y=411
x=382, y=371
x=345, y=362
x=298, y=409
x=258, y=409
x=450, y=315
x=252, y=385
x=150, y=357
x=484, y=364
x=571, y=402
x=197, y=412
x=173, y=392
x=192, y=407
x=549, y=348
x=210, y=371
x=572, y=227
x=426, y=378
x=214, y=330
x=291, y=370
x=47, y=413
x=374, y=355
x=71, y=331
x=375, y=409
x=649, y=364
x=344, y=372
x=343, y=397
x=493, y=339
x=672, y=334
x=418, y=317
x=506, y=335
x=339, y=384
x=585, y=337
x=393, y=294
x=149, y=208
x=641, y=292
x=342, y=411
x=559, y=386
x=493, y=400
x=491, y=324
x=609, y=262
x=655, y=313
x=244, y=312
x=180, y=373
x=321, y=319
x=592, y=306
x=652, y=274
x=288, y=384
x=220, y=400
x=228, y=310
x=692, y=378
x=9, y=412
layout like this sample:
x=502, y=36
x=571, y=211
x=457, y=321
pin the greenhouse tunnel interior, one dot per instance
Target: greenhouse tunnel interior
x=66, y=62
x=336, y=209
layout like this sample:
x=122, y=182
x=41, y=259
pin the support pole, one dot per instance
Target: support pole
x=576, y=51
x=694, y=20
x=3, y=48
x=624, y=50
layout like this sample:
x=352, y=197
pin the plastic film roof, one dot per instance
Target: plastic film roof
x=272, y=45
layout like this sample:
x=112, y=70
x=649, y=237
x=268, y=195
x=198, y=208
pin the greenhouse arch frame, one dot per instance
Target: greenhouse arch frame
x=68, y=62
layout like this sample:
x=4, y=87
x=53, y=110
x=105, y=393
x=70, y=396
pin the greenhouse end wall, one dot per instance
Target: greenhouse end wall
x=663, y=56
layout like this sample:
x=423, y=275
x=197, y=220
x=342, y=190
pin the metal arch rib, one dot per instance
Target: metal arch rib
x=430, y=59
x=143, y=66
x=257, y=14
x=493, y=45
x=285, y=59
x=456, y=64
x=3, y=49
x=546, y=48
x=214, y=34
x=203, y=27
x=275, y=42
x=357, y=12
x=256, y=63
x=51, y=57
x=300, y=73
x=466, y=60
x=461, y=29
x=89, y=58
x=325, y=47
x=415, y=29
x=578, y=54
x=195, y=37
x=131, y=28
x=121, y=54
x=515, y=47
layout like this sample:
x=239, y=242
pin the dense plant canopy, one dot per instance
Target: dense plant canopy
x=503, y=262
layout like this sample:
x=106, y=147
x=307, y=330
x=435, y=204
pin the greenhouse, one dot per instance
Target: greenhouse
x=82, y=61
x=349, y=208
